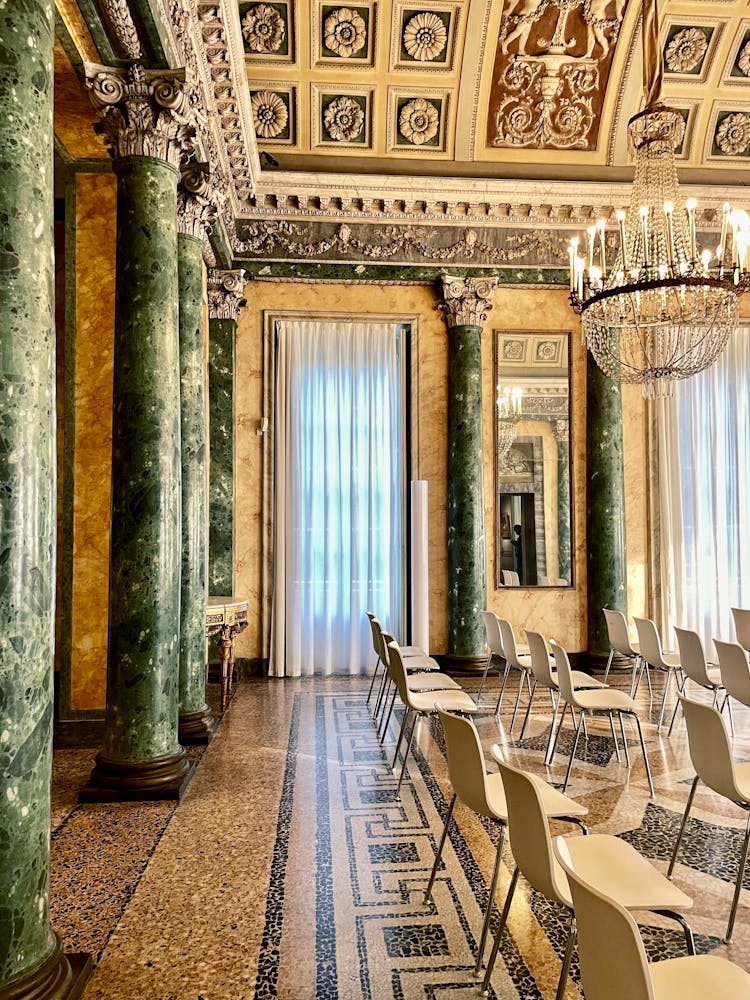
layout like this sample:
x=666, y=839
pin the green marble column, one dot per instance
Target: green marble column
x=562, y=436
x=196, y=214
x=224, y=303
x=141, y=757
x=605, y=506
x=31, y=959
x=466, y=302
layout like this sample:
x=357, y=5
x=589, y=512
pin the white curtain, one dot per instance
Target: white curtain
x=704, y=485
x=338, y=494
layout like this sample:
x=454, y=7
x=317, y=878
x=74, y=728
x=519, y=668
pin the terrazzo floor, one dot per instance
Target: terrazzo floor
x=290, y=870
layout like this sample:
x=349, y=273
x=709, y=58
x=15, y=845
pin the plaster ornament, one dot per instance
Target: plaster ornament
x=418, y=121
x=686, y=50
x=733, y=135
x=270, y=114
x=343, y=119
x=344, y=32
x=263, y=28
x=743, y=63
x=425, y=36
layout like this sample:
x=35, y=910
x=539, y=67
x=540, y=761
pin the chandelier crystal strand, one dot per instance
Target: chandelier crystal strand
x=662, y=309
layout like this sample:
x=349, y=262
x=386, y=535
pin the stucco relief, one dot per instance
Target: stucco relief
x=551, y=69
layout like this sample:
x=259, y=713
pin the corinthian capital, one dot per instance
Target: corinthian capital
x=225, y=298
x=199, y=199
x=143, y=112
x=466, y=301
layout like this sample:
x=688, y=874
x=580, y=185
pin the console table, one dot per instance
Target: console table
x=226, y=617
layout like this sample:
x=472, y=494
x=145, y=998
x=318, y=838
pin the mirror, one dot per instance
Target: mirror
x=533, y=522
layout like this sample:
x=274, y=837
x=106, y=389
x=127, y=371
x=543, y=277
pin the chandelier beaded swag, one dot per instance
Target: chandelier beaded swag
x=661, y=310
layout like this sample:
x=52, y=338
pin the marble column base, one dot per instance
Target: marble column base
x=118, y=781
x=196, y=728
x=61, y=977
x=456, y=664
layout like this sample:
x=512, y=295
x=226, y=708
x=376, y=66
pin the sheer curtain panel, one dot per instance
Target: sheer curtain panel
x=338, y=500
x=704, y=484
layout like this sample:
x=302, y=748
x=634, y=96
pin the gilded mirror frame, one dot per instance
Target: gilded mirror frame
x=536, y=477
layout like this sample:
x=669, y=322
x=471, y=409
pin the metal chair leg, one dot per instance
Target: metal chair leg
x=685, y=815
x=406, y=757
x=528, y=711
x=559, y=729
x=677, y=705
x=515, y=707
x=548, y=752
x=728, y=703
x=441, y=845
x=372, y=682
x=484, y=676
x=388, y=716
x=565, y=970
x=575, y=747
x=502, y=688
x=490, y=899
x=687, y=929
x=624, y=739
x=738, y=886
x=383, y=684
x=400, y=736
x=499, y=931
x=609, y=664
x=667, y=684
x=643, y=751
x=614, y=738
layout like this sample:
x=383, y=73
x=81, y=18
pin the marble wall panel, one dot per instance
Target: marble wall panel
x=96, y=196
x=561, y=613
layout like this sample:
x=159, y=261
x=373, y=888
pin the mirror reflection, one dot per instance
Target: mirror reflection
x=532, y=459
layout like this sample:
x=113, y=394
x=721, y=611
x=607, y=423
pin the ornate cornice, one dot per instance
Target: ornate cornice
x=118, y=17
x=225, y=298
x=198, y=201
x=466, y=301
x=143, y=112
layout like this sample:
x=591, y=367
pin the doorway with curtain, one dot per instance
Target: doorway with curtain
x=337, y=494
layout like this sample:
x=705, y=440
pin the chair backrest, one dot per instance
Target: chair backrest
x=650, y=642
x=509, y=643
x=735, y=670
x=610, y=950
x=516, y=578
x=507, y=576
x=692, y=656
x=530, y=837
x=564, y=676
x=377, y=635
x=540, y=667
x=492, y=631
x=397, y=670
x=710, y=750
x=466, y=767
x=544, y=581
x=617, y=630
x=742, y=626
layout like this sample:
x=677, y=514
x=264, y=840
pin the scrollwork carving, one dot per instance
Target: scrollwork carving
x=199, y=199
x=466, y=301
x=117, y=15
x=143, y=112
x=225, y=298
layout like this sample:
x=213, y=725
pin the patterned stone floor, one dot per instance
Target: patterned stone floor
x=290, y=870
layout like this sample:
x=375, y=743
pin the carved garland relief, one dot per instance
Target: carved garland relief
x=551, y=70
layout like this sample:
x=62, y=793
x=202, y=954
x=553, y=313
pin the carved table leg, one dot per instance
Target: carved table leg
x=225, y=651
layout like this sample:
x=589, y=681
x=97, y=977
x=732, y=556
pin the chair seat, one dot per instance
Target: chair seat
x=671, y=659
x=581, y=681
x=420, y=663
x=554, y=802
x=698, y=977
x=451, y=701
x=742, y=779
x=608, y=700
x=432, y=681
x=616, y=868
x=413, y=651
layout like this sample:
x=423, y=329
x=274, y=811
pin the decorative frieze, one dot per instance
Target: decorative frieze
x=143, y=112
x=466, y=301
x=199, y=199
x=225, y=298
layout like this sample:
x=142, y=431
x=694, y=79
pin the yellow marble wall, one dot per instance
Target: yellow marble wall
x=96, y=198
x=560, y=613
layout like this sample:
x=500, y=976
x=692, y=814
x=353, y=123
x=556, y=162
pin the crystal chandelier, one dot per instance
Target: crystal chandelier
x=509, y=403
x=661, y=310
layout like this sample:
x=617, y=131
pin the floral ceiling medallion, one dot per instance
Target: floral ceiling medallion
x=263, y=28
x=733, y=135
x=418, y=121
x=743, y=63
x=425, y=36
x=343, y=119
x=344, y=32
x=686, y=50
x=270, y=114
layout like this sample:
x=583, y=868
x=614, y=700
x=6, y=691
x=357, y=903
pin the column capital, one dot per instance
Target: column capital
x=466, y=301
x=561, y=430
x=199, y=200
x=225, y=298
x=144, y=112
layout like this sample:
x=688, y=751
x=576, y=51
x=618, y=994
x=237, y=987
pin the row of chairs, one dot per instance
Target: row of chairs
x=585, y=874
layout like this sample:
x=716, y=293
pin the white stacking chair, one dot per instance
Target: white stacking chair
x=652, y=655
x=609, y=700
x=711, y=755
x=484, y=794
x=515, y=660
x=629, y=876
x=619, y=640
x=735, y=672
x=696, y=669
x=742, y=626
x=613, y=960
x=495, y=646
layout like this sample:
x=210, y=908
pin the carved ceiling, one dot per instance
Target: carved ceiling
x=432, y=132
